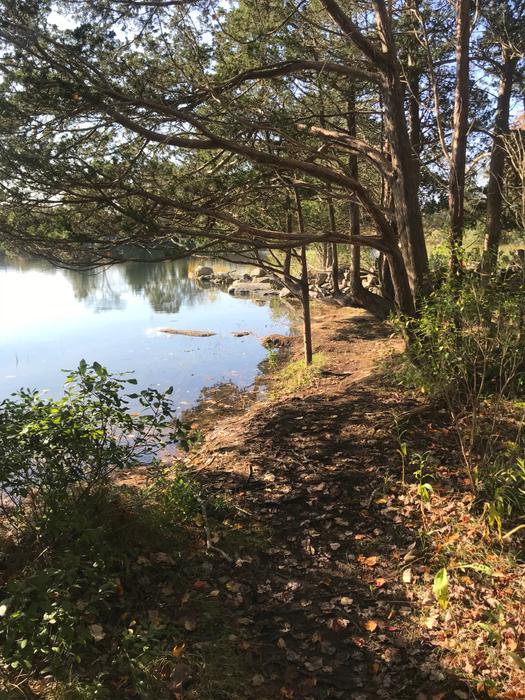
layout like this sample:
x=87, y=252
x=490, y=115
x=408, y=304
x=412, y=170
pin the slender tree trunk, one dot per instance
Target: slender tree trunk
x=356, y=286
x=327, y=256
x=305, y=301
x=385, y=276
x=334, y=259
x=305, y=291
x=497, y=166
x=414, y=94
x=456, y=195
x=335, y=269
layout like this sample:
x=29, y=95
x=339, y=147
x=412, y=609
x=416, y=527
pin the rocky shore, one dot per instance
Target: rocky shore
x=259, y=283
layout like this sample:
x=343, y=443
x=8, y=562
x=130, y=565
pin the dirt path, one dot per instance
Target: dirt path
x=323, y=608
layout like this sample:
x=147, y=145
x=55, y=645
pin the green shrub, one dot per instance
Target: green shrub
x=468, y=342
x=78, y=601
x=467, y=350
x=51, y=448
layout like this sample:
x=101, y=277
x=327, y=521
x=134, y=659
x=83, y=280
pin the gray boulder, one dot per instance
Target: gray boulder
x=257, y=272
x=203, y=271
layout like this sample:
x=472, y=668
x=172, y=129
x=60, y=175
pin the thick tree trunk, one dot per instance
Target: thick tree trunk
x=456, y=194
x=497, y=166
x=405, y=179
x=405, y=185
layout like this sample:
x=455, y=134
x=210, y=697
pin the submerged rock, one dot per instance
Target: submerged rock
x=276, y=341
x=196, y=334
x=239, y=288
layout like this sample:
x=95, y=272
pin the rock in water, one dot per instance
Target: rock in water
x=257, y=272
x=203, y=271
x=196, y=334
x=276, y=341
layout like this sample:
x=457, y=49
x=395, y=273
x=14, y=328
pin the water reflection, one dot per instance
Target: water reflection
x=51, y=318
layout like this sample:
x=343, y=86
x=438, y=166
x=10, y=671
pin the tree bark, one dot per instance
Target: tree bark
x=356, y=286
x=405, y=184
x=305, y=290
x=414, y=93
x=493, y=226
x=456, y=194
x=334, y=258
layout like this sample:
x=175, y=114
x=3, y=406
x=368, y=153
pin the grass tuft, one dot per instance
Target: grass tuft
x=297, y=375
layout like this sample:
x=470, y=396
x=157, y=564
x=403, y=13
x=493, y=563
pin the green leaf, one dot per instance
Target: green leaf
x=440, y=587
x=517, y=659
x=480, y=568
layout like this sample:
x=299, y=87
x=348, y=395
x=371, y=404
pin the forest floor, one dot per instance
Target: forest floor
x=334, y=595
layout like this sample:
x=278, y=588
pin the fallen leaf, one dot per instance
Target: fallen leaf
x=368, y=561
x=97, y=632
x=370, y=625
x=407, y=575
x=338, y=624
x=233, y=587
x=380, y=582
x=517, y=660
x=178, y=650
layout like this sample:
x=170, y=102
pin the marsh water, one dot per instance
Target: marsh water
x=51, y=318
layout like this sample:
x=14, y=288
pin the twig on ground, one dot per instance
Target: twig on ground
x=209, y=545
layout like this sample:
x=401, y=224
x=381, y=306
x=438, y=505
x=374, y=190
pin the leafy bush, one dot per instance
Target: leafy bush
x=467, y=349
x=469, y=342
x=89, y=605
x=51, y=448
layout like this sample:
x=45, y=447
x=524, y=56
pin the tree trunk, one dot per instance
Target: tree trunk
x=385, y=277
x=356, y=286
x=456, y=194
x=305, y=301
x=497, y=166
x=414, y=92
x=405, y=182
x=305, y=290
x=405, y=186
x=334, y=259
x=335, y=269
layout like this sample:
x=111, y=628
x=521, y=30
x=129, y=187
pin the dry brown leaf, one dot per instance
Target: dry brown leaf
x=97, y=632
x=370, y=625
x=368, y=561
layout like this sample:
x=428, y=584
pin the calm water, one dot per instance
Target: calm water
x=50, y=319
